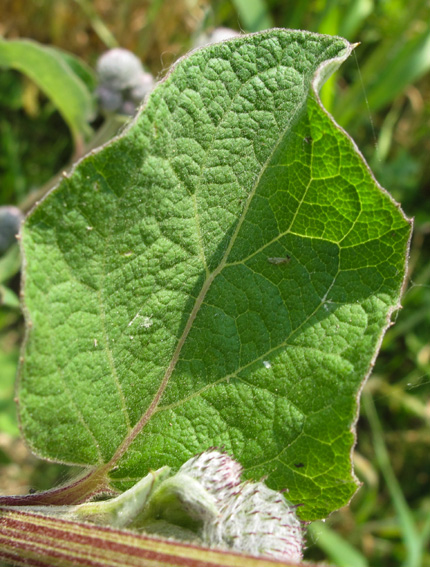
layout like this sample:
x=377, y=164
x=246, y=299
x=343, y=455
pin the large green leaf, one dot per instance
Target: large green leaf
x=220, y=275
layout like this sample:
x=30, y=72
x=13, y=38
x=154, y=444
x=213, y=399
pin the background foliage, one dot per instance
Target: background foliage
x=381, y=96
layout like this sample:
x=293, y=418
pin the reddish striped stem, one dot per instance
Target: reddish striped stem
x=31, y=539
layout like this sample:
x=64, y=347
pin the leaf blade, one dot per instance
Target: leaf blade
x=165, y=325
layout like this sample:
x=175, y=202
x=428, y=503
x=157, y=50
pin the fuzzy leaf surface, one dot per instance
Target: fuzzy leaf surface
x=220, y=275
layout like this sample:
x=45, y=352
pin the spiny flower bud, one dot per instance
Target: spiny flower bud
x=258, y=521
x=217, y=472
x=252, y=518
x=10, y=219
x=205, y=502
x=123, y=82
x=118, y=68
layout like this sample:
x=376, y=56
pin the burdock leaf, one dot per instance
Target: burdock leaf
x=219, y=275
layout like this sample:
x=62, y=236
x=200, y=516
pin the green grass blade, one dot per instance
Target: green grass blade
x=394, y=66
x=55, y=78
x=254, y=14
x=408, y=65
x=338, y=550
x=410, y=535
x=353, y=17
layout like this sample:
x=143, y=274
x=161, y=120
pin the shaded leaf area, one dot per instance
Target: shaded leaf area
x=221, y=275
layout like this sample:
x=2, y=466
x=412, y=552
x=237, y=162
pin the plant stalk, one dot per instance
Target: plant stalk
x=33, y=539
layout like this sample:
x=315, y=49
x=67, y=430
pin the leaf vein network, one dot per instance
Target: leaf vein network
x=108, y=350
x=205, y=287
x=73, y=402
x=262, y=357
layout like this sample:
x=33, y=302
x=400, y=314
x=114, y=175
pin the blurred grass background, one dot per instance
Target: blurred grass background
x=381, y=96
